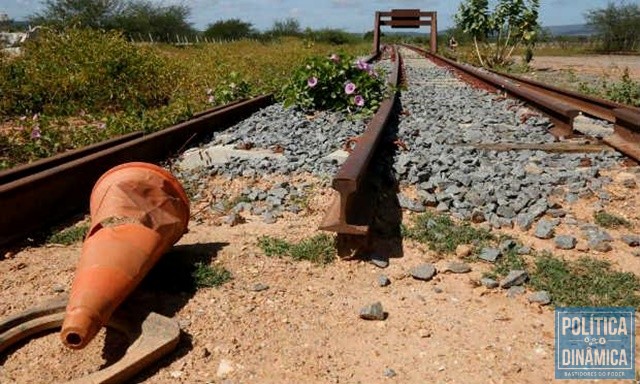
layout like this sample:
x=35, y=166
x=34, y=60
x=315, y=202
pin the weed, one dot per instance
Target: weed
x=232, y=202
x=69, y=235
x=585, y=282
x=608, y=220
x=443, y=235
x=625, y=91
x=509, y=261
x=205, y=275
x=319, y=249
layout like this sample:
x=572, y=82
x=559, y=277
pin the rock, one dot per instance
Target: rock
x=557, y=213
x=600, y=246
x=515, y=291
x=490, y=254
x=268, y=218
x=631, y=240
x=258, y=287
x=489, y=283
x=372, y=312
x=59, y=288
x=565, y=242
x=545, y=229
x=457, y=267
x=514, y=278
x=524, y=250
x=635, y=253
x=477, y=216
x=540, y=297
x=388, y=372
x=437, y=290
x=463, y=250
x=225, y=368
x=582, y=247
x=234, y=219
x=629, y=183
x=424, y=272
x=379, y=260
x=525, y=221
x=383, y=281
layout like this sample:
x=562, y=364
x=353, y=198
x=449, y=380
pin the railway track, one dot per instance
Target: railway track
x=41, y=194
x=562, y=106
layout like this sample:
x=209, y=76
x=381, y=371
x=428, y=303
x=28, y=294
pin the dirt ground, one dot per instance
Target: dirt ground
x=602, y=65
x=305, y=327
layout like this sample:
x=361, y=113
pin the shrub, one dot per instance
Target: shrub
x=83, y=70
x=339, y=83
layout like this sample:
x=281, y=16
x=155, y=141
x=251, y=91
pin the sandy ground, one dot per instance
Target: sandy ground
x=603, y=65
x=305, y=327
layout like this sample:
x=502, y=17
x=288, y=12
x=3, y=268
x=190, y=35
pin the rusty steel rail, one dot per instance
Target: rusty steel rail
x=561, y=106
x=348, y=179
x=34, y=197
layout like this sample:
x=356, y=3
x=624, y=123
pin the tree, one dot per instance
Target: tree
x=618, y=26
x=143, y=18
x=287, y=27
x=87, y=13
x=497, y=34
x=232, y=29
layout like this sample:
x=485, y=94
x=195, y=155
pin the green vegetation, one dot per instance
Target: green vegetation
x=318, y=249
x=618, y=26
x=60, y=95
x=497, y=34
x=69, y=235
x=626, y=91
x=338, y=83
x=585, y=282
x=135, y=18
x=205, y=275
x=608, y=220
x=443, y=235
x=232, y=29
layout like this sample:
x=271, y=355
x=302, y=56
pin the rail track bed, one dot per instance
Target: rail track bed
x=451, y=149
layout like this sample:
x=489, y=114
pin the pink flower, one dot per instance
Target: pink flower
x=349, y=88
x=312, y=81
x=359, y=101
x=335, y=58
x=363, y=65
x=36, y=133
x=211, y=99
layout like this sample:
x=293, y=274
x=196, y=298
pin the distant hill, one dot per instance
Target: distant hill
x=571, y=30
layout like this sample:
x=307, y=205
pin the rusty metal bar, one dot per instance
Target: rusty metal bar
x=44, y=198
x=626, y=137
x=347, y=180
x=434, y=32
x=376, y=34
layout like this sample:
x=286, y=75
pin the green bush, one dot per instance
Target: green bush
x=83, y=70
x=339, y=83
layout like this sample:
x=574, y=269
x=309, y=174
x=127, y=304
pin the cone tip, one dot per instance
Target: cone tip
x=79, y=328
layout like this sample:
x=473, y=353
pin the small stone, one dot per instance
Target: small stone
x=59, y=288
x=379, y=260
x=557, y=213
x=457, y=267
x=514, y=278
x=437, y=290
x=268, y=218
x=234, y=219
x=477, y=217
x=424, y=272
x=388, y=372
x=631, y=240
x=582, y=247
x=463, y=250
x=383, y=281
x=635, y=253
x=600, y=246
x=176, y=374
x=524, y=250
x=442, y=207
x=525, y=221
x=489, y=283
x=372, y=312
x=515, y=291
x=545, y=229
x=258, y=287
x=565, y=242
x=490, y=254
x=225, y=368
x=540, y=297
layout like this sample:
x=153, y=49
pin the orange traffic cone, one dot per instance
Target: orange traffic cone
x=138, y=211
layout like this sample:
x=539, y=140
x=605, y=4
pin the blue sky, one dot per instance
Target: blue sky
x=350, y=15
